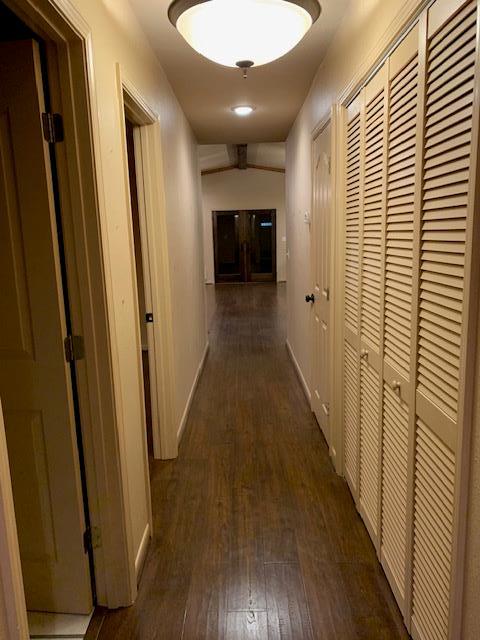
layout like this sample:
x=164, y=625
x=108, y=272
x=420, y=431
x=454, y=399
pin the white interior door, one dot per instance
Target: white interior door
x=35, y=383
x=321, y=281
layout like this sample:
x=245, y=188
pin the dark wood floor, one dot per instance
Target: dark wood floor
x=255, y=535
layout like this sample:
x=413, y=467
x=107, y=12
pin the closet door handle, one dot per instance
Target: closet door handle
x=396, y=385
x=364, y=354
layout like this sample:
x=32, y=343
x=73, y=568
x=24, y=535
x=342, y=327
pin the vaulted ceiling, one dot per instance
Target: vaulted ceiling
x=207, y=91
x=216, y=156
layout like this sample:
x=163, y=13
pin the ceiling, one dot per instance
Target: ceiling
x=207, y=91
x=215, y=156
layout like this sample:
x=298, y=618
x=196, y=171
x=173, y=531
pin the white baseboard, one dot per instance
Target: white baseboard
x=142, y=553
x=300, y=375
x=184, y=419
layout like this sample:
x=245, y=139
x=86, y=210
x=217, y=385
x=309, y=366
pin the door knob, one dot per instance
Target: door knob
x=310, y=298
x=396, y=385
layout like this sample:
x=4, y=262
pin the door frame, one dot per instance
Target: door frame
x=154, y=240
x=69, y=53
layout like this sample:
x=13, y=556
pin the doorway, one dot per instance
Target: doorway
x=38, y=352
x=144, y=317
x=245, y=245
x=320, y=297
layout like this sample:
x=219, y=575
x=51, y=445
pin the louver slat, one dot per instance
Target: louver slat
x=399, y=228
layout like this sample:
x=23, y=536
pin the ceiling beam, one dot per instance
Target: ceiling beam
x=262, y=167
x=207, y=172
x=242, y=156
x=259, y=167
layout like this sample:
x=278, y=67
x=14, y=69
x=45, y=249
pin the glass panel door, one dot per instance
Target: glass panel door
x=262, y=263
x=226, y=225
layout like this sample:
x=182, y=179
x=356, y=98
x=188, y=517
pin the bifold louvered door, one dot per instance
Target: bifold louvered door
x=374, y=119
x=411, y=152
x=445, y=218
x=403, y=181
x=351, y=364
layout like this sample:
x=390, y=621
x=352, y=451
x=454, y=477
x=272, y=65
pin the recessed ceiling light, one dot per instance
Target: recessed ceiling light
x=243, y=32
x=243, y=110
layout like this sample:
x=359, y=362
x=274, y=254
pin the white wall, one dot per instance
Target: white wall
x=117, y=38
x=242, y=190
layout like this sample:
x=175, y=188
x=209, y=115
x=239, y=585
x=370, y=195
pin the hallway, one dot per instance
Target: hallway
x=255, y=536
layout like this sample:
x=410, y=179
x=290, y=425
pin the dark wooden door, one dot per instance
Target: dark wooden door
x=227, y=244
x=261, y=231
x=244, y=246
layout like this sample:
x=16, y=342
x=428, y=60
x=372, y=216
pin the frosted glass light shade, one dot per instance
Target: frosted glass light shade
x=232, y=31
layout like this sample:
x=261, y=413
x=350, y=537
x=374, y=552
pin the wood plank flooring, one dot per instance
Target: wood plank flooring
x=255, y=535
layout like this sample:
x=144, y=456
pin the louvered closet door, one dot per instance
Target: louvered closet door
x=402, y=186
x=351, y=364
x=371, y=298
x=446, y=210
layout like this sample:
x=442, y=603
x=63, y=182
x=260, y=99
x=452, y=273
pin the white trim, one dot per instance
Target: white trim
x=142, y=552
x=73, y=92
x=155, y=254
x=299, y=372
x=183, y=421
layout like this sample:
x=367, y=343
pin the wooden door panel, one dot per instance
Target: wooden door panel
x=35, y=383
x=370, y=392
x=227, y=241
x=394, y=514
x=32, y=490
x=260, y=245
x=351, y=354
x=16, y=334
x=320, y=251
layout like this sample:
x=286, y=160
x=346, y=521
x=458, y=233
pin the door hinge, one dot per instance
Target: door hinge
x=74, y=348
x=91, y=539
x=149, y=317
x=52, y=127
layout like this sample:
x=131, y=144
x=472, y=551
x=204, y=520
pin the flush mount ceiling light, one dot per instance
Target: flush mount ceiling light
x=243, y=109
x=243, y=33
